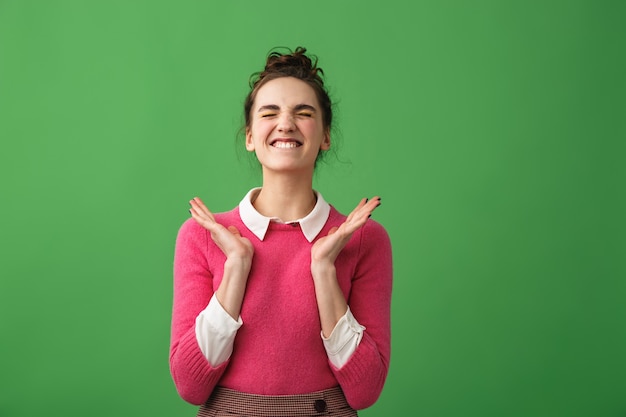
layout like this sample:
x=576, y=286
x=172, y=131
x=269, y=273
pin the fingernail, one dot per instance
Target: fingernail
x=367, y=199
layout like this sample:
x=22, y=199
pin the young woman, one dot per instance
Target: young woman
x=282, y=305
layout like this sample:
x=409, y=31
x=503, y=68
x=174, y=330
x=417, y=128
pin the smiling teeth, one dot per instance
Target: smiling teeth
x=285, y=145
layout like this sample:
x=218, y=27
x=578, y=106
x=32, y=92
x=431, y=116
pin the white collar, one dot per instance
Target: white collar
x=311, y=224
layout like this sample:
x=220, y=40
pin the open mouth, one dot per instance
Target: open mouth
x=285, y=143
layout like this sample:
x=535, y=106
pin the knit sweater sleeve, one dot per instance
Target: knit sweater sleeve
x=193, y=375
x=363, y=376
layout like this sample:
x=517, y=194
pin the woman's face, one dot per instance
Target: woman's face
x=286, y=128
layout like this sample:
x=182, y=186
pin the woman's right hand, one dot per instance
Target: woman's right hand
x=229, y=240
x=238, y=251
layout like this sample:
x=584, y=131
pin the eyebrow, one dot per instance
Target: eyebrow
x=298, y=107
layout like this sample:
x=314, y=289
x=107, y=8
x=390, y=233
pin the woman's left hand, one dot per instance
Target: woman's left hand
x=325, y=250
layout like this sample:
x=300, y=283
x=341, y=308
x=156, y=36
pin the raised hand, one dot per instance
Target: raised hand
x=331, y=303
x=229, y=240
x=238, y=251
x=326, y=249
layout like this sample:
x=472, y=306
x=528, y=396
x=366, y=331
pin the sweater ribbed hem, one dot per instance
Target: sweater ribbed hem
x=358, y=372
x=200, y=379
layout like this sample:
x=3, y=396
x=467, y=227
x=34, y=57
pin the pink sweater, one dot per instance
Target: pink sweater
x=279, y=350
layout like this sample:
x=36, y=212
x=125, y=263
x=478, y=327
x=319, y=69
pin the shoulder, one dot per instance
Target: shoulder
x=374, y=229
x=374, y=235
x=191, y=234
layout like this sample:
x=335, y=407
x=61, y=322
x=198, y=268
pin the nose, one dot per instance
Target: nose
x=286, y=123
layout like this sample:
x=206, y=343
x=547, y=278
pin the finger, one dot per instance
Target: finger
x=203, y=216
x=203, y=221
x=197, y=204
x=365, y=207
x=195, y=212
x=201, y=208
x=372, y=205
x=332, y=230
x=200, y=204
x=359, y=206
x=360, y=214
x=198, y=214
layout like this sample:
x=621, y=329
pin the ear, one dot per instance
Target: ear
x=326, y=141
x=249, y=143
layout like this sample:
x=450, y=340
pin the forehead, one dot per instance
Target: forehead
x=285, y=92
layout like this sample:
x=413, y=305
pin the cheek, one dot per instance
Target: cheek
x=261, y=128
x=310, y=126
x=317, y=130
x=256, y=134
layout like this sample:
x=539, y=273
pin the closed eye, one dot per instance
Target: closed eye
x=269, y=110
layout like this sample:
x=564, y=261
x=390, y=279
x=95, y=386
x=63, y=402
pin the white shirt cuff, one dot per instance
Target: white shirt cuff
x=343, y=340
x=215, y=332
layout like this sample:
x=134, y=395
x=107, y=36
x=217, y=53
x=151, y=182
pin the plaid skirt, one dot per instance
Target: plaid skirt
x=226, y=402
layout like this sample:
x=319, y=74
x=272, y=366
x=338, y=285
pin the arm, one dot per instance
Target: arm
x=238, y=251
x=193, y=375
x=330, y=300
x=363, y=376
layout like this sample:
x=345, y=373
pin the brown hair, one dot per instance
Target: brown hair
x=291, y=64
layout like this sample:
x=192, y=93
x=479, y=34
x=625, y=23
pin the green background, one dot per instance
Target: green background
x=494, y=132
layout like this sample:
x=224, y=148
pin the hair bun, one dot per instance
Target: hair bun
x=291, y=64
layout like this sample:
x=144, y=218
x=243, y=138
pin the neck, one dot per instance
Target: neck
x=286, y=197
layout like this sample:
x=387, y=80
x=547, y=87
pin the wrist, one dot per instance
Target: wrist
x=321, y=269
x=237, y=265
